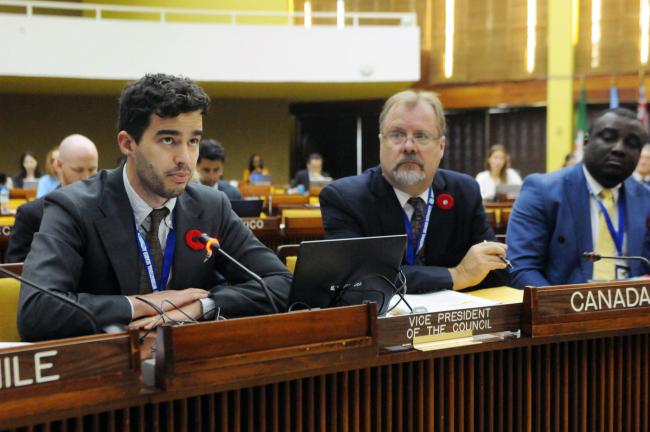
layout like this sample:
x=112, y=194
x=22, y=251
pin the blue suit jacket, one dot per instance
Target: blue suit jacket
x=366, y=205
x=550, y=228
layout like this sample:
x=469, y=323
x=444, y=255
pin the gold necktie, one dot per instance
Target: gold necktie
x=605, y=269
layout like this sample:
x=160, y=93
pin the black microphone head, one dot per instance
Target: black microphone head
x=591, y=256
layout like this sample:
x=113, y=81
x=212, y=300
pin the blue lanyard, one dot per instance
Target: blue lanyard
x=617, y=236
x=412, y=248
x=168, y=258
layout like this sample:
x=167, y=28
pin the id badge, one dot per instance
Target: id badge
x=622, y=272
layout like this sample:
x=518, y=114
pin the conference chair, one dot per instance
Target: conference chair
x=9, y=292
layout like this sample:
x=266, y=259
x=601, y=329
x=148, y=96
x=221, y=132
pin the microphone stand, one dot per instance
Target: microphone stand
x=593, y=257
x=204, y=238
x=257, y=279
x=56, y=295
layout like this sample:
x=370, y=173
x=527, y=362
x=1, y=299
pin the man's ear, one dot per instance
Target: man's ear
x=126, y=143
x=443, y=143
x=57, y=165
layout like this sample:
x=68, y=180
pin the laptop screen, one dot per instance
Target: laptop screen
x=349, y=271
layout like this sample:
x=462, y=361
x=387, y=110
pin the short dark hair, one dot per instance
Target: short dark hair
x=314, y=156
x=212, y=150
x=623, y=112
x=160, y=94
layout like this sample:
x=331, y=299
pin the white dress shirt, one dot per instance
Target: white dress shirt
x=403, y=198
x=594, y=211
x=141, y=211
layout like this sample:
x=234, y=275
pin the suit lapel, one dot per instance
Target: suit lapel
x=635, y=224
x=576, y=194
x=439, y=218
x=187, y=262
x=117, y=233
x=390, y=212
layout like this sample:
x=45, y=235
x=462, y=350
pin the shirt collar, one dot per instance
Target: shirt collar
x=596, y=187
x=639, y=177
x=140, y=208
x=403, y=197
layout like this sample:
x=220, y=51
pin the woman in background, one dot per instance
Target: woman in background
x=497, y=172
x=255, y=166
x=28, y=171
x=49, y=181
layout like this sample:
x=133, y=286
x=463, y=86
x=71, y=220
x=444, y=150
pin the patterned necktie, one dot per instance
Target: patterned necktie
x=155, y=250
x=605, y=269
x=417, y=222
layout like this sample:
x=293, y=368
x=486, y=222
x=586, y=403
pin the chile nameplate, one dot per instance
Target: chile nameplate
x=67, y=375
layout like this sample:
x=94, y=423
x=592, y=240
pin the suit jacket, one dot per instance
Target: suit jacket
x=550, y=228
x=86, y=248
x=366, y=205
x=28, y=222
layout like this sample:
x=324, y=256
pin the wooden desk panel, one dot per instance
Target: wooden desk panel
x=594, y=384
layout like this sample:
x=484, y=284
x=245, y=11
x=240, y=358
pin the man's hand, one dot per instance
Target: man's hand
x=479, y=260
x=193, y=310
x=179, y=298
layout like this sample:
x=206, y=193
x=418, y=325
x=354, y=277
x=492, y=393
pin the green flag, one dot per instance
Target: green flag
x=581, y=123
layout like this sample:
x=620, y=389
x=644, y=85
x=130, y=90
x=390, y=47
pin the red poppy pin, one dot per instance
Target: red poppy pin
x=445, y=202
x=191, y=240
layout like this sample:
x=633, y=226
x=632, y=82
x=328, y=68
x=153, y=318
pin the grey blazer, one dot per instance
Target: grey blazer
x=86, y=248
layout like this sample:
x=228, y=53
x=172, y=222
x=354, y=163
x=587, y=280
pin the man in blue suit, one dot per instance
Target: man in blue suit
x=451, y=246
x=561, y=215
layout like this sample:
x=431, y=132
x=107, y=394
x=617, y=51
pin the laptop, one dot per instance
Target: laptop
x=260, y=179
x=343, y=272
x=508, y=191
x=247, y=208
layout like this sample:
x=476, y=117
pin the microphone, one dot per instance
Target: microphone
x=197, y=240
x=84, y=310
x=593, y=257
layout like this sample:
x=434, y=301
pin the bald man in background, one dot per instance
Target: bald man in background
x=78, y=160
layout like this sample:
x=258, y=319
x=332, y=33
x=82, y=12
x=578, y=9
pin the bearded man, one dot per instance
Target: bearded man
x=117, y=243
x=450, y=246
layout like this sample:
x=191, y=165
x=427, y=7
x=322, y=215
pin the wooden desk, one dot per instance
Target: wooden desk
x=588, y=382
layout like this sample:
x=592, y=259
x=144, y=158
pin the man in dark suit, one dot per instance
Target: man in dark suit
x=313, y=172
x=120, y=236
x=210, y=166
x=591, y=206
x=456, y=248
x=77, y=161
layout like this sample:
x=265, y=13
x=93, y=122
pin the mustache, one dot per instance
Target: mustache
x=410, y=158
x=179, y=169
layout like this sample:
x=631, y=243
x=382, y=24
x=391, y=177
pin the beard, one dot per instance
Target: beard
x=406, y=175
x=155, y=182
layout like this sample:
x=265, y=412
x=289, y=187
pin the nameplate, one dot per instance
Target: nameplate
x=597, y=307
x=67, y=374
x=401, y=330
x=263, y=225
x=34, y=364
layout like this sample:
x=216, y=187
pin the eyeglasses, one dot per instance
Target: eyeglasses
x=399, y=137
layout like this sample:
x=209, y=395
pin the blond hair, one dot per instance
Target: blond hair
x=411, y=98
x=49, y=160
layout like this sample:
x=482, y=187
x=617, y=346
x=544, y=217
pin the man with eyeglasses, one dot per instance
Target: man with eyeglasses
x=450, y=246
x=592, y=206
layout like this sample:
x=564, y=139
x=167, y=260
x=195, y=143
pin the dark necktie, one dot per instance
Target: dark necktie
x=417, y=222
x=155, y=250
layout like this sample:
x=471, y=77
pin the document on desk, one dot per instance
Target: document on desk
x=437, y=301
